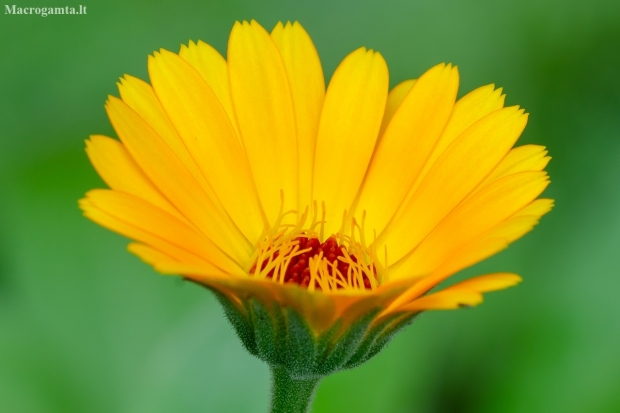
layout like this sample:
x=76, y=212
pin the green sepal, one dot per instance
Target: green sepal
x=380, y=338
x=346, y=345
x=365, y=347
x=301, y=345
x=282, y=338
x=267, y=331
x=239, y=322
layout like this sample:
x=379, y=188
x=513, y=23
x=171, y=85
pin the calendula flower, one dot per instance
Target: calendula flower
x=322, y=219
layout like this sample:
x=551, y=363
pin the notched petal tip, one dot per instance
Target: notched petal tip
x=279, y=27
x=110, y=102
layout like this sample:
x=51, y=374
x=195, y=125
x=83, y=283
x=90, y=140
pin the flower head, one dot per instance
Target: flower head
x=334, y=208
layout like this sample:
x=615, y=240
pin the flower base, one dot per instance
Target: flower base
x=298, y=357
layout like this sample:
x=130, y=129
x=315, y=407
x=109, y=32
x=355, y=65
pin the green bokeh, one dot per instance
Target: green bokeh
x=86, y=327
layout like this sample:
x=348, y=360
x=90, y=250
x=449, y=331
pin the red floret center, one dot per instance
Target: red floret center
x=298, y=270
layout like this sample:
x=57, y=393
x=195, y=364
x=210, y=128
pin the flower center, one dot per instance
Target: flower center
x=293, y=254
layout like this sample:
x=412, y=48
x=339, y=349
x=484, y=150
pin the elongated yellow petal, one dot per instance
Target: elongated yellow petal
x=538, y=207
x=204, y=127
x=520, y=223
x=150, y=219
x=519, y=159
x=120, y=172
x=481, y=248
x=467, y=256
x=405, y=145
x=444, y=300
x=130, y=230
x=496, y=238
x=352, y=113
x=471, y=254
x=463, y=294
x=165, y=264
x=394, y=99
x=305, y=76
x=175, y=181
x=148, y=254
x=468, y=110
x=455, y=174
x=140, y=97
x=488, y=283
x=263, y=104
x=214, y=70
x=480, y=213
x=515, y=227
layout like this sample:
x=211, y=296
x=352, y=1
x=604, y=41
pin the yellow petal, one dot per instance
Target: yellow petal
x=214, y=70
x=538, y=207
x=522, y=222
x=519, y=159
x=455, y=174
x=466, y=257
x=204, y=127
x=354, y=106
x=263, y=105
x=130, y=216
x=124, y=228
x=477, y=250
x=148, y=254
x=150, y=219
x=498, y=237
x=487, y=283
x=175, y=181
x=444, y=300
x=515, y=227
x=394, y=99
x=482, y=212
x=305, y=76
x=405, y=145
x=468, y=110
x=484, y=246
x=463, y=294
x=471, y=254
x=116, y=167
x=140, y=97
x=165, y=264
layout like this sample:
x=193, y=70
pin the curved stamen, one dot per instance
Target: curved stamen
x=295, y=254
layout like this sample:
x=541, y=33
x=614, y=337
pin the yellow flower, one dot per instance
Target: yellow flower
x=245, y=175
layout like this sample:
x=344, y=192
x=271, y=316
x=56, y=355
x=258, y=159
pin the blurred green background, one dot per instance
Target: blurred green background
x=86, y=327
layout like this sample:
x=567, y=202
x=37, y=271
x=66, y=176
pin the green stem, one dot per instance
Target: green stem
x=291, y=395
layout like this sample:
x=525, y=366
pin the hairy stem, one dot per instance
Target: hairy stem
x=291, y=395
